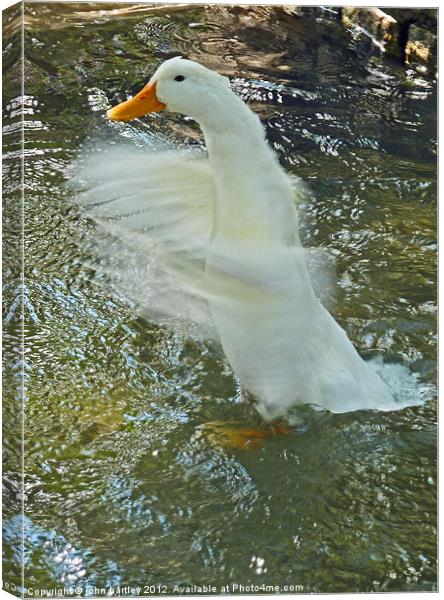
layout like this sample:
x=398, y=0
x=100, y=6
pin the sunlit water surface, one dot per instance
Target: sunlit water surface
x=122, y=489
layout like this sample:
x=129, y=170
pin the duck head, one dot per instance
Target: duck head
x=179, y=85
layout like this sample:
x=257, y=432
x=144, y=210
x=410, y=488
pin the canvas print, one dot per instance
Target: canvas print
x=219, y=260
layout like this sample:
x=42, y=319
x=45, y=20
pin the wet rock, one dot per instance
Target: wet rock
x=418, y=35
x=382, y=27
x=421, y=46
x=407, y=34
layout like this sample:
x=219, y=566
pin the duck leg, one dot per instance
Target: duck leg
x=226, y=435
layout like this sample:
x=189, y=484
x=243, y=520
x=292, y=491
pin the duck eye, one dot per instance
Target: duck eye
x=179, y=78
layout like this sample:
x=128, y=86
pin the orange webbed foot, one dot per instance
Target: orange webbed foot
x=224, y=434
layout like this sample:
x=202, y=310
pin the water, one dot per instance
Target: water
x=122, y=488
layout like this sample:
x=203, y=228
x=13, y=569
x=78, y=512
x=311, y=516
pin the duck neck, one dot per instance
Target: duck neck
x=253, y=195
x=236, y=139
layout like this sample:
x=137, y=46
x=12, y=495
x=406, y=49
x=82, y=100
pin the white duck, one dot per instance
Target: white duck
x=282, y=343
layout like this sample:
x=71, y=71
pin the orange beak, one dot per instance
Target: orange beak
x=144, y=102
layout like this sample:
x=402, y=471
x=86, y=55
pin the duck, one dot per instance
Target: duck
x=229, y=221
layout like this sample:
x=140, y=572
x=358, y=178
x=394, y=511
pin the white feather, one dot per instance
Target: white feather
x=215, y=242
x=155, y=211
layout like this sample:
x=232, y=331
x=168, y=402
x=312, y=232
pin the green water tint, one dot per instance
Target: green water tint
x=120, y=487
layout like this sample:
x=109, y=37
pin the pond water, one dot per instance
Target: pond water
x=120, y=487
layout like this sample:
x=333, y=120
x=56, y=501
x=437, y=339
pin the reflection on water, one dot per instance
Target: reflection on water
x=120, y=487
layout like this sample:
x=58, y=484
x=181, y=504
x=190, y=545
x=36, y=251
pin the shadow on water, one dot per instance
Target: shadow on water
x=120, y=488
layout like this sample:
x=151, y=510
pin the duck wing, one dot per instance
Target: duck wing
x=154, y=212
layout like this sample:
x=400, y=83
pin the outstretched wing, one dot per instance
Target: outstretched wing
x=155, y=217
x=154, y=211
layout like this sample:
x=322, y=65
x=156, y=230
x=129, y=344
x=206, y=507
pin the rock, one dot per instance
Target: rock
x=421, y=46
x=409, y=35
x=383, y=28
